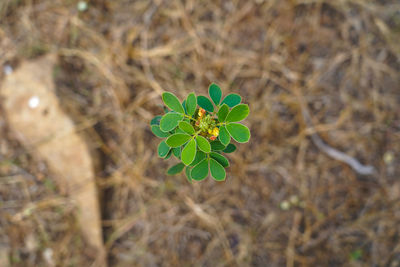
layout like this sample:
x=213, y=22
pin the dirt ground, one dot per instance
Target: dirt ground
x=285, y=201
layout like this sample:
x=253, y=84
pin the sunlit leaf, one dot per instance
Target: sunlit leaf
x=172, y=102
x=203, y=144
x=238, y=113
x=189, y=152
x=186, y=127
x=200, y=171
x=169, y=121
x=224, y=136
x=191, y=104
x=163, y=149
x=217, y=171
x=232, y=100
x=188, y=176
x=223, y=112
x=215, y=93
x=239, y=132
x=205, y=103
x=157, y=131
x=178, y=139
x=200, y=155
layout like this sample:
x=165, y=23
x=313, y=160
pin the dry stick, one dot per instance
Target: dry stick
x=330, y=151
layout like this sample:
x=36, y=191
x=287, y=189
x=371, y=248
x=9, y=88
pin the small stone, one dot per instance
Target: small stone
x=294, y=200
x=8, y=70
x=285, y=205
x=33, y=102
x=82, y=6
x=388, y=157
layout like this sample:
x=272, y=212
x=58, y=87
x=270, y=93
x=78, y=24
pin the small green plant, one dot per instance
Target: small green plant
x=198, y=130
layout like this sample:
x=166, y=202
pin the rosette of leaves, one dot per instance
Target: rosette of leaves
x=199, y=130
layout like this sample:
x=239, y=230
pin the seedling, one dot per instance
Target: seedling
x=199, y=130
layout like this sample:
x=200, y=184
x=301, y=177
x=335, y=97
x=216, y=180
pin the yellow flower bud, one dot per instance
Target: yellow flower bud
x=201, y=112
x=215, y=131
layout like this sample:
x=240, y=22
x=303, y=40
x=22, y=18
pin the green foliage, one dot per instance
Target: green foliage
x=199, y=130
x=217, y=145
x=232, y=100
x=205, y=103
x=200, y=155
x=189, y=152
x=200, y=171
x=223, y=112
x=217, y=171
x=224, y=136
x=203, y=144
x=163, y=149
x=177, y=168
x=239, y=132
x=172, y=102
x=238, y=113
x=186, y=127
x=169, y=121
x=221, y=159
x=157, y=131
x=215, y=93
x=177, y=139
x=191, y=104
x=230, y=148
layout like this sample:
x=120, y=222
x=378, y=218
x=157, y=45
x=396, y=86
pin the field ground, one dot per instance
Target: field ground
x=285, y=201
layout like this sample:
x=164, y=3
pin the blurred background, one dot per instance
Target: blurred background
x=285, y=202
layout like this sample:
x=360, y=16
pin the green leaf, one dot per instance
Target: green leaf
x=157, y=132
x=169, y=121
x=238, y=113
x=188, y=176
x=179, y=130
x=156, y=120
x=230, y=148
x=222, y=112
x=215, y=93
x=239, y=132
x=200, y=171
x=199, y=157
x=189, y=152
x=186, y=127
x=217, y=171
x=232, y=100
x=176, y=169
x=163, y=149
x=221, y=159
x=203, y=144
x=217, y=145
x=172, y=102
x=177, y=152
x=224, y=136
x=205, y=103
x=184, y=106
x=191, y=104
x=168, y=155
x=178, y=139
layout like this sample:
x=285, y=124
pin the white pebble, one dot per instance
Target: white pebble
x=82, y=6
x=33, y=102
x=7, y=69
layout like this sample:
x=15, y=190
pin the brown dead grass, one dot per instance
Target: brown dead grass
x=115, y=60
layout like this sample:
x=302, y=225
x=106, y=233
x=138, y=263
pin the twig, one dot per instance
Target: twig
x=332, y=152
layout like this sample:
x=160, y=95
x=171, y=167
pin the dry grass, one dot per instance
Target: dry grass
x=341, y=57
